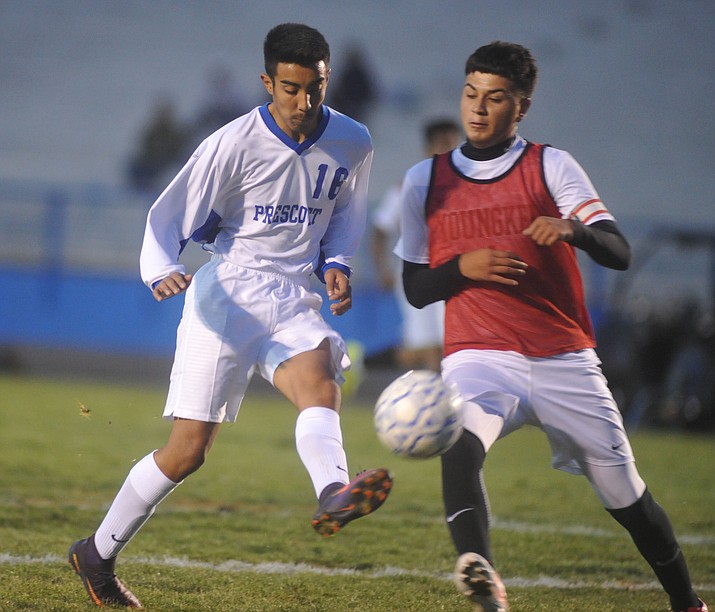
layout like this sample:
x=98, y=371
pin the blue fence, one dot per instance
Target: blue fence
x=69, y=276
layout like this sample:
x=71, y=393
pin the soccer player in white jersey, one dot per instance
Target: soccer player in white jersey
x=491, y=228
x=280, y=193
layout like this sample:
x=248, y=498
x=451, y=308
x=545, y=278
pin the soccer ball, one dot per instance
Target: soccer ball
x=418, y=415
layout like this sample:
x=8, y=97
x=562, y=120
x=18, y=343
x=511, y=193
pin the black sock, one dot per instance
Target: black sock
x=653, y=535
x=465, y=501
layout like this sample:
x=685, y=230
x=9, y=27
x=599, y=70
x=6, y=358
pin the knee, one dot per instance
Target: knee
x=617, y=486
x=461, y=468
x=321, y=391
x=467, y=452
x=177, y=463
x=193, y=461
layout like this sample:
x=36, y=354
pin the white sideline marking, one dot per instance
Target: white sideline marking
x=237, y=567
x=693, y=540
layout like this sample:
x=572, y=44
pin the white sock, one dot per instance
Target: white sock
x=136, y=501
x=320, y=446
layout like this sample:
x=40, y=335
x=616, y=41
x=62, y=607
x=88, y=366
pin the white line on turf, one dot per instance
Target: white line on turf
x=693, y=540
x=237, y=567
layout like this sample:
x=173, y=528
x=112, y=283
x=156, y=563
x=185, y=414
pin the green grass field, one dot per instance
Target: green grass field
x=237, y=535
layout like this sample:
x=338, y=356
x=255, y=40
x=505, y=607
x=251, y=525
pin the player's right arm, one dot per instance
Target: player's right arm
x=183, y=208
x=172, y=285
x=424, y=285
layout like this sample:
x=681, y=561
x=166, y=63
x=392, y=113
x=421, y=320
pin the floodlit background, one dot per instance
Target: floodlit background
x=626, y=86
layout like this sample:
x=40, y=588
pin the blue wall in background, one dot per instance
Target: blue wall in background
x=118, y=315
x=69, y=276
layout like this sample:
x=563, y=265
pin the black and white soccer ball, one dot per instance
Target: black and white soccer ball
x=418, y=415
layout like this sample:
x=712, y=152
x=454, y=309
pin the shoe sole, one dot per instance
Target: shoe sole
x=368, y=495
x=477, y=580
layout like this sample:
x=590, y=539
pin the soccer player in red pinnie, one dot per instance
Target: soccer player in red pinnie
x=492, y=227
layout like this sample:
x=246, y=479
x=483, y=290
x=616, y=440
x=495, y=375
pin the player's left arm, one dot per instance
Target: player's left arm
x=347, y=224
x=337, y=285
x=585, y=221
x=602, y=240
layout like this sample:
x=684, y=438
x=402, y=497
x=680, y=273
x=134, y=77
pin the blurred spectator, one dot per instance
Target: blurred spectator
x=354, y=90
x=222, y=103
x=162, y=148
x=422, y=329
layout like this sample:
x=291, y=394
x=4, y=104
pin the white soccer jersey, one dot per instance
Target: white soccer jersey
x=387, y=214
x=421, y=327
x=265, y=201
x=572, y=190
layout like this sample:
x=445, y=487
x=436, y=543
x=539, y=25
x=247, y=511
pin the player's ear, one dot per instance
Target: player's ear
x=267, y=83
x=524, y=106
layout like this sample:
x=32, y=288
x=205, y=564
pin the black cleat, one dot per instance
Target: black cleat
x=102, y=584
x=362, y=495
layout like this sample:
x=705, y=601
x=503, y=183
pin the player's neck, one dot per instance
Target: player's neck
x=492, y=152
x=298, y=134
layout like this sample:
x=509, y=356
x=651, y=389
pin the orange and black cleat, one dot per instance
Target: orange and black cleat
x=361, y=496
x=102, y=584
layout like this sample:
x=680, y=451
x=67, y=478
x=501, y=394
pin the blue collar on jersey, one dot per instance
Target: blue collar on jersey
x=287, y=140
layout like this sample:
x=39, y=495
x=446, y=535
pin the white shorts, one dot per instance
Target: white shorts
x=566, y=396
x=421, y=327
x=237, y=320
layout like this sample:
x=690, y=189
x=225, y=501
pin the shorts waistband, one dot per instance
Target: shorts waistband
x=295, y=279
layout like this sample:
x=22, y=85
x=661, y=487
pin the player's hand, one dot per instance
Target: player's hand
x=172, y=285
x=491, y=265
x=545, y=231
x=339, y=291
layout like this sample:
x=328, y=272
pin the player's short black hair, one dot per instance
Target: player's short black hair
x=508, y=60
x=435, y=127
x=294, y=43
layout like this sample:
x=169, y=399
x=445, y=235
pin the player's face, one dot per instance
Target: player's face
x=491, y=108
x=298, y=93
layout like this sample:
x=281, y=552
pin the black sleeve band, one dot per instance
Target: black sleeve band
x=424, y=285
x=603, y=242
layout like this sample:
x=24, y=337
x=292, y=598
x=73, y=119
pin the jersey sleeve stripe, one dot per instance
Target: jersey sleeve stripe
x=588, y=210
